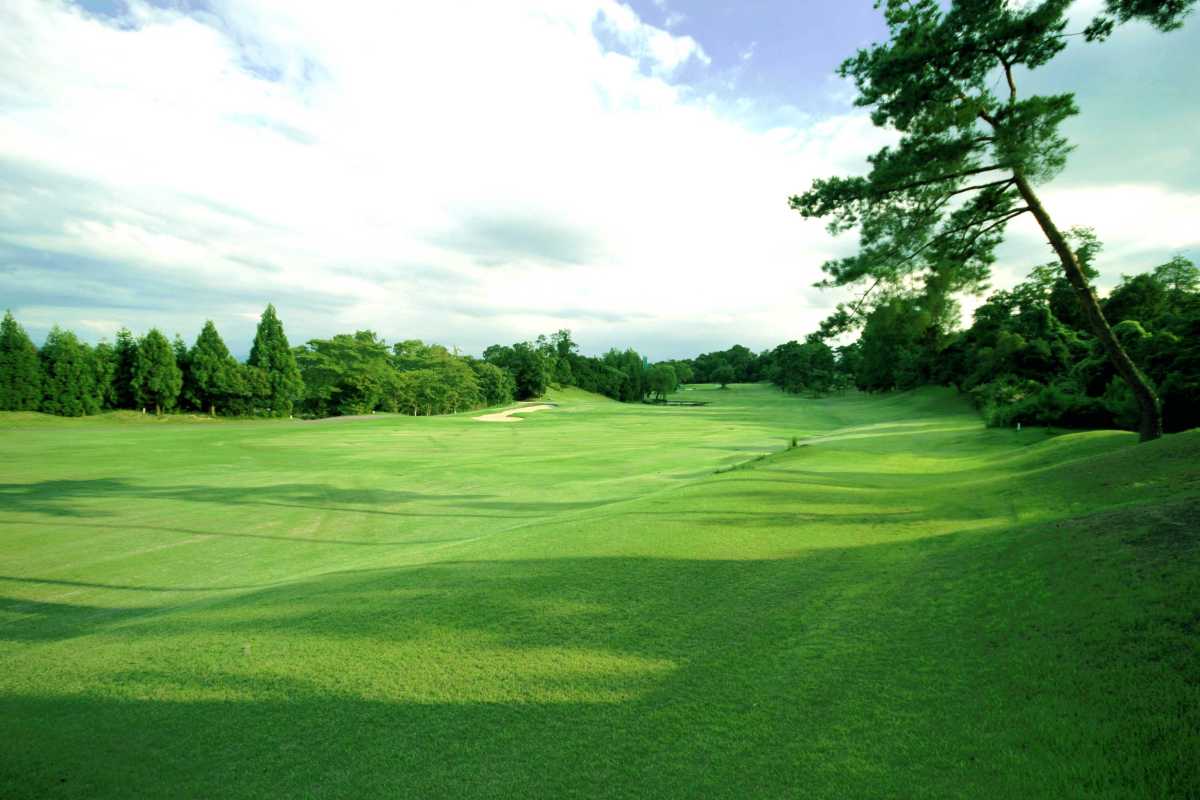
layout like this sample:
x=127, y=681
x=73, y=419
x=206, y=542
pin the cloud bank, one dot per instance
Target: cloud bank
x=465, y=173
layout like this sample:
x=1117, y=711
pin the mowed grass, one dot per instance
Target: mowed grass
x=600, y=600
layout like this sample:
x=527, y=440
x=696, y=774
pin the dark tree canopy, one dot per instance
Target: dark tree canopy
x=125, y=353
x=724, y=375
x=68, y=385
x=20, y=372
x=528, y=364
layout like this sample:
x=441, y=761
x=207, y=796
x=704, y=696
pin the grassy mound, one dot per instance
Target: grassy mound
x=907, y=604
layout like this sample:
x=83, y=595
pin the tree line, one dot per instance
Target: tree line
x=1029, y=356
x=355, y=373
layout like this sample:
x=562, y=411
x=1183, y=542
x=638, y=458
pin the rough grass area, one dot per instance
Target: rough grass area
x=590, y=603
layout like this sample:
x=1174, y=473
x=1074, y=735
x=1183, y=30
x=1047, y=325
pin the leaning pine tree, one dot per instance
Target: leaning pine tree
x=937, y=204
x=20, y=372
x=272, y=354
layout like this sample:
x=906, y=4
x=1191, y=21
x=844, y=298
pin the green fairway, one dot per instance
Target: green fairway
x=599, y=600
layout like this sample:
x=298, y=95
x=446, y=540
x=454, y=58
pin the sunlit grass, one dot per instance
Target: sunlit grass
x=600, y=600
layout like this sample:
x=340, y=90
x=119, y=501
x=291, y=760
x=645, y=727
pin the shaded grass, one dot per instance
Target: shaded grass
x=909, y=605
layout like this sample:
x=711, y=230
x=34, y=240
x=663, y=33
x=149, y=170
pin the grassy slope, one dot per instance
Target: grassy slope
x=576, y=605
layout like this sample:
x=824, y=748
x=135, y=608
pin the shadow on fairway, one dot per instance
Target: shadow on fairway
x=985, y=665
x=61, y=498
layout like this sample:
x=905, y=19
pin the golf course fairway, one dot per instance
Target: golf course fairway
x=603, y=600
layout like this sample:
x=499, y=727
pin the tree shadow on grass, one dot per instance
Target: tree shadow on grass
x=979, y=667
x=61, y=498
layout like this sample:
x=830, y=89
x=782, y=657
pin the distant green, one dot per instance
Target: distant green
x=602, y=600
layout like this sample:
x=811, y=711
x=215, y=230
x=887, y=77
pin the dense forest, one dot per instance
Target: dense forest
x=1028, y=357
x=347, y=374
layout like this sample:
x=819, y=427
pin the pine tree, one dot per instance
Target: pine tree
x=934, y=206
x=68, y=383
x=156, y=377
x=272, y=354
x=214, y=377
x=126, y=361
x=20, y=371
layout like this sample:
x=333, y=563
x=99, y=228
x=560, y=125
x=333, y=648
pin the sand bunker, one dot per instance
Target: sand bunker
x=507, y=416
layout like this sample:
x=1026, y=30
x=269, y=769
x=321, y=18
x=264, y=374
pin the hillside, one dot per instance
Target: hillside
x=602, y=599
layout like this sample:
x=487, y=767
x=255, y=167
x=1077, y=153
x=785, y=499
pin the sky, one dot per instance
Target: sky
x=471, y=173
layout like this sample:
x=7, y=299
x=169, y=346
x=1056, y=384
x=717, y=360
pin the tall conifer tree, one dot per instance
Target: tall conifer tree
x=125, y=352
x=156, y=377
x=104, y=368
x=183, y=360
x=68, y=383
x=272, y=354
x=214, y=371
x=20, y=372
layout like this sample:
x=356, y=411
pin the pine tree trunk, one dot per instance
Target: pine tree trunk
x=157, y=409
x=1151, y=426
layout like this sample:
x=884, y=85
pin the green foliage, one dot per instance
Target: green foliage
x=683, y=371
x=348, y=374
x=20, y=370
x=496, y=385
x=104, y=371
x=528, y=364
x=1022, y=363
x=183, y=360
x=910, y=605
x=724, y=375
x=809, y=367
x=213, y=372
x=934, y=207
x=69, y=381
x=932, y=82
x=125, y=351
x=157, y=379
x=1179, y=275
x=747, y=367
x=272, y=354
x=662, y=380
x=1166, y=15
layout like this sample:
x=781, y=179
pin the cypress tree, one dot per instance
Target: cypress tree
x=20, y=371
x=104, y=367
x=125, y=352
x=214, y=377
x=183, y=360
x=156, y=377
x=68, y=381
x=272, y=354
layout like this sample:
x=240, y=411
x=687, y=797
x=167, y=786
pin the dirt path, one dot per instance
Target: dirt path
x=507, y=416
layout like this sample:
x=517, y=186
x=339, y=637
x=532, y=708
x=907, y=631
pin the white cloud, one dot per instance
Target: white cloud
x=378, y=166
x=161, y=145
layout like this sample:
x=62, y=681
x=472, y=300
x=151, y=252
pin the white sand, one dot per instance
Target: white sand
x=507, y=416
